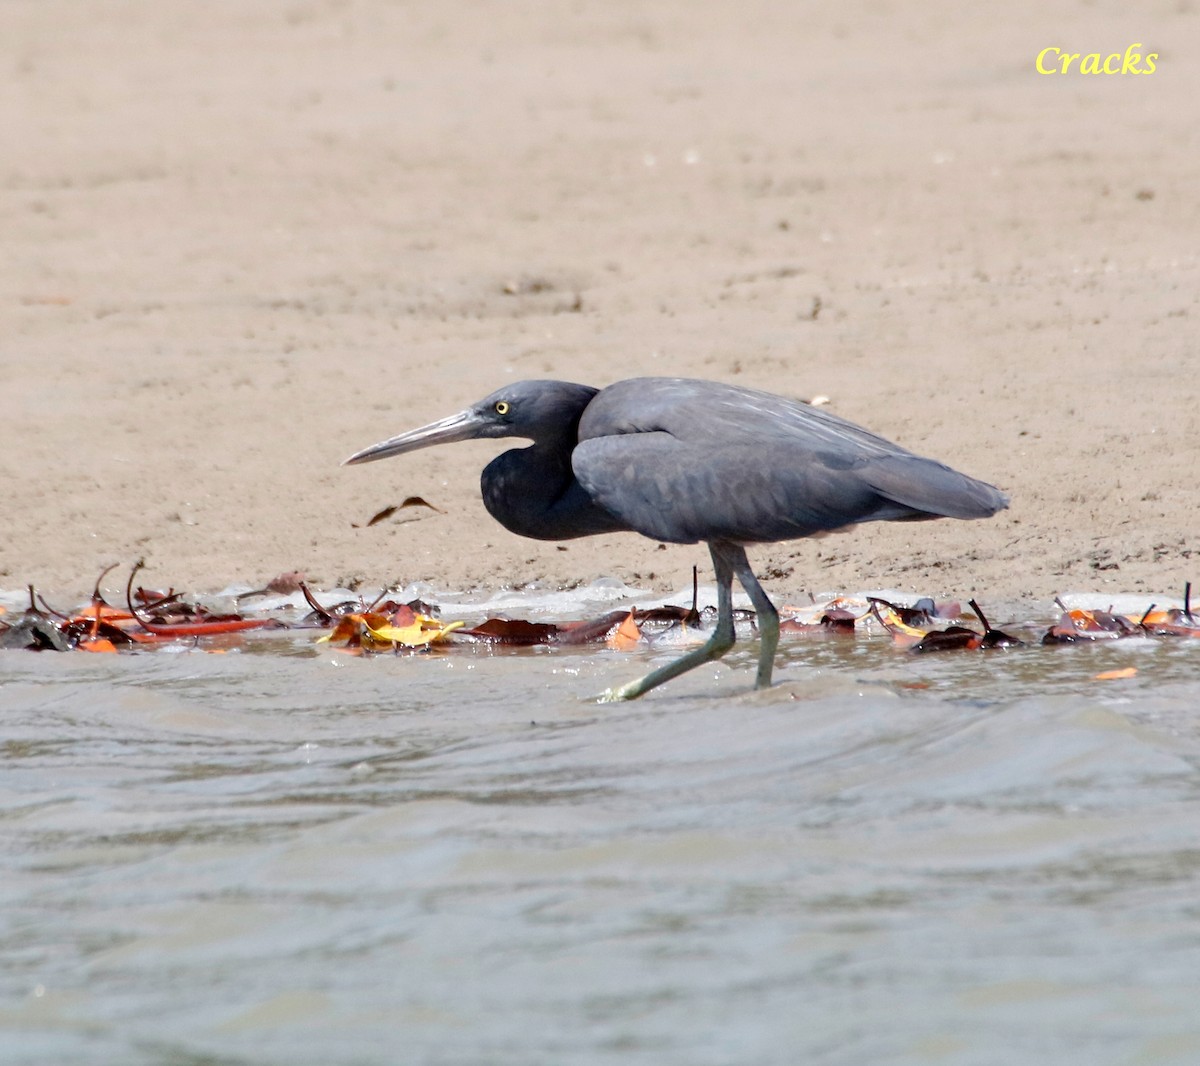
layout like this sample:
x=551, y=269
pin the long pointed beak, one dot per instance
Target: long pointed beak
x=462, y=426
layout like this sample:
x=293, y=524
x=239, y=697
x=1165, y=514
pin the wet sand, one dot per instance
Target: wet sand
x=242, y=243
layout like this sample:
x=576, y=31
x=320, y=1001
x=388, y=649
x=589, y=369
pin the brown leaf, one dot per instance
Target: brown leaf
x=952, y=638
x=591, y=630
x=420, y=501
x=286, y=583
x=379, y=516
x=512, y=631
x=408, y=501
x=839, y=620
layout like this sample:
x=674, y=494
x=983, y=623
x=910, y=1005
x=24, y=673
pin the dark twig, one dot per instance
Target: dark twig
x=48, y=608
x=692, y=618
x=383, y=592
x=129, y=589
x=874, y=607
x=980, y=615
x=96, y=597
x=171, y=596
x=325, y=616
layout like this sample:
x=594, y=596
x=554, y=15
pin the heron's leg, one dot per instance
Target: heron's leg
x=768, y=617
x=717, y=645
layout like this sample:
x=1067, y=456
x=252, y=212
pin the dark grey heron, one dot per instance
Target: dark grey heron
x=685, y=461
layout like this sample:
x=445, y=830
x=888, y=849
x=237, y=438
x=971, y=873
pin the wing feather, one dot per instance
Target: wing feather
x=685, y=461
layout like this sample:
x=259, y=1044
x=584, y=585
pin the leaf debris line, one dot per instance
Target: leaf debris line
x=154, y=618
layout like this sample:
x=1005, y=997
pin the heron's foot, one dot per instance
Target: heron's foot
x=620, y=694
x=716, y=646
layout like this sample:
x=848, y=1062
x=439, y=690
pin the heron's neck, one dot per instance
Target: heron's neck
x=521, y=486
x=533, y=492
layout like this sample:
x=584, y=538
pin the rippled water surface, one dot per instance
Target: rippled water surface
x=283, y=855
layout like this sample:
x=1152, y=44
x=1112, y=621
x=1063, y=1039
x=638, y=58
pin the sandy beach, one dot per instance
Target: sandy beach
x=243, y=241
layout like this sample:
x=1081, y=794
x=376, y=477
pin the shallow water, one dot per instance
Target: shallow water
x=285, y=855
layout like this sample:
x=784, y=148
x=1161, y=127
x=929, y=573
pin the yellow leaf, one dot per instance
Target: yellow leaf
x=422, y=631
x=374, y=632
x=894, y=625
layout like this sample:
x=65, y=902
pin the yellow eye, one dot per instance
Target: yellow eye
x=502, y=407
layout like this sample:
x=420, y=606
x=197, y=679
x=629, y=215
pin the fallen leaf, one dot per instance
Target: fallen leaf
x=951, y=638
x=916, y=618
x=838, y=620
x=422, y=631
x=205, y=626
x=379, y=516
x=512, y=631
x=626, y=636
x=1168, y=630
x=591, y=630
x=375, y=632
x=391, y=509
x=1077, y=625
x=894, y=624
x=284, y=584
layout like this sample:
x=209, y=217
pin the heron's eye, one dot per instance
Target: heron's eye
x=502, y=407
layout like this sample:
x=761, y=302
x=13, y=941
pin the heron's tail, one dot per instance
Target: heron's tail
x=925, y=488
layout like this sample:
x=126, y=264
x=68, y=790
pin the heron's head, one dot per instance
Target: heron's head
x=536, y=410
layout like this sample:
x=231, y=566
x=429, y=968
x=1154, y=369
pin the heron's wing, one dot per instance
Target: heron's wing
x=672, y=491
x=711, y=411
x=720, y=463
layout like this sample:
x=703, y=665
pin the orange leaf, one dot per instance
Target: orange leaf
x=349, y=629
x=626, y=636
x=103, y=612
x=146, y=638
x=205, y=629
